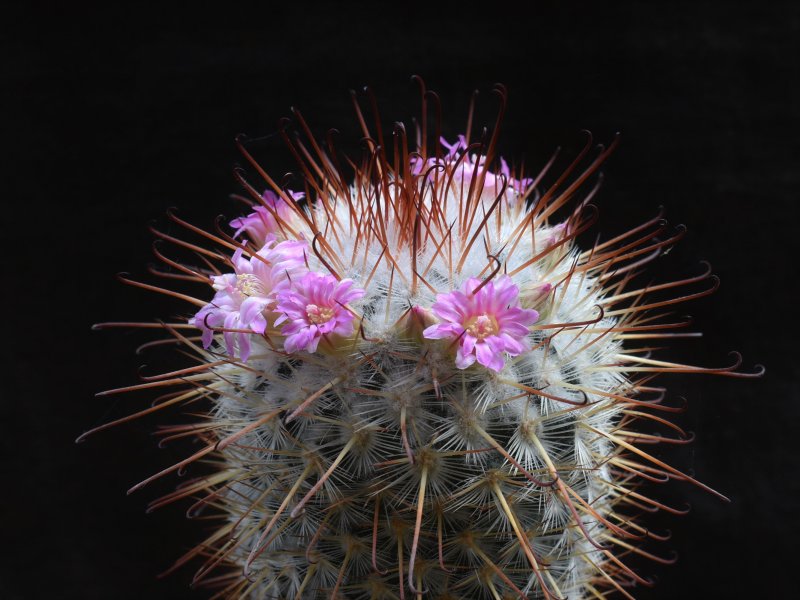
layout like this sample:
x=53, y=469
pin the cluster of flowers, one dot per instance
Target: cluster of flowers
x=274, y=288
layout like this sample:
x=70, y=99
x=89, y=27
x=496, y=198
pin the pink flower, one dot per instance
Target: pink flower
x=519, y=185
x=261, y=223
x=418, y=165
x=237, y=298
x=492, y=182
x=555, y=234
x=453, y=149
x=485, y=323
x=276, y=264
x=314, y=306
x=242, y=297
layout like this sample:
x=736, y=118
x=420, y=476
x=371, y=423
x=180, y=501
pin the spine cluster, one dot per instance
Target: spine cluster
x=418, y=385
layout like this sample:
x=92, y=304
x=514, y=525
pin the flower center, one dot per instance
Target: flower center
x=248, y=284
x=482, y=326
x=318, y=314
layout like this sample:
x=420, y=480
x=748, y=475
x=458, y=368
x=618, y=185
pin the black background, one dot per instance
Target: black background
x=112, y=116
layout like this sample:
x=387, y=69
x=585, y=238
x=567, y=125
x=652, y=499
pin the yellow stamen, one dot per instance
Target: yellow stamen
x=318, y=314
x=482, y=326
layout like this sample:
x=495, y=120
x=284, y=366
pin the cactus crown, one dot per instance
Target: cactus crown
x=419, y=385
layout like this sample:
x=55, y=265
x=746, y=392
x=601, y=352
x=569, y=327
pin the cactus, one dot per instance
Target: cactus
x=417, y=384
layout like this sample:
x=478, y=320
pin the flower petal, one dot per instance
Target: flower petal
x=464, y=360
x=488, y=357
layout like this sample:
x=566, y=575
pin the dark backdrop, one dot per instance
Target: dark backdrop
x=112, y=116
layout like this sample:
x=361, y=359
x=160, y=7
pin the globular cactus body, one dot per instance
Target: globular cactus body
x=420, y=387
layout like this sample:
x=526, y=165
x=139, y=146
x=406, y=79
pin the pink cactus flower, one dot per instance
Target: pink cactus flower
x=492, y=182
x=244, y=296
x=452, y=149
x=276, y=264
x=418, y=165
x=485, y=323
x=234, y=308
x=554, y=235
x=261, y=223
x=314, y=306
